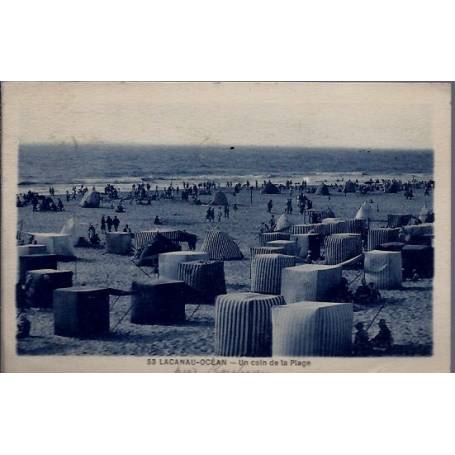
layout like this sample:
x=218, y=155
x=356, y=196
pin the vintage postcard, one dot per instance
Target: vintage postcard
x=226, y=227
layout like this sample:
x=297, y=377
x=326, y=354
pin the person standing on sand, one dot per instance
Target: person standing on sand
x=226, y=211
x=116, y=223
x=109, y=223
x=269, y=206
x=220, y=214
x=103, y=225
x=272, y=223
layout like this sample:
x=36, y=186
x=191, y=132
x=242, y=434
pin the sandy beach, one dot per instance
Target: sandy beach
x=408, y=311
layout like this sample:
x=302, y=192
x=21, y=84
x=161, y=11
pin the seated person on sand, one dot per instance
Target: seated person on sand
x=362, y=293
x=384, y=339
x=342, y=292
x=93, y=236
x=308, y=259
x=362, y=344
x=120, y=208
x=157, y=220
x=375, y=295
x=415, y=275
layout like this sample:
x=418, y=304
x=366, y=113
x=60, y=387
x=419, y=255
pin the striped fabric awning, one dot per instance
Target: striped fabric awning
x=205, y=278
x=381, y=235
x=339, y=247
x=306, y=228
x=266, y=272
x=143, y=238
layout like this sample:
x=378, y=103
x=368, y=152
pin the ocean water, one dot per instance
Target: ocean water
x=94, y=164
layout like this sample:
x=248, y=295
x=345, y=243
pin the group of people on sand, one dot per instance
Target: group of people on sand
x=383, y=341
x=39, y=202
x=108, y=223
x=210, y=214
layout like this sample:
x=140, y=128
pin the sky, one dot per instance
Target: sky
x=370, y=115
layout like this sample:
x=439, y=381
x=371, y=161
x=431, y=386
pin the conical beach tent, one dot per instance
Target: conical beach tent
x=270, y=188
x=283, y=223
x=91, y=199
x=220, y=246
x=322, y=190
x=219, y=199
x=364, y=212
x=424, y=214
x=76, y=229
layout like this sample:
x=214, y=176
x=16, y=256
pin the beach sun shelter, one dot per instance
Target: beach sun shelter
x=365, y=212
x=270, y=188
x=219, y=199
x=91, y=199
x=220, y=246
x=322, y=190
x=283, y=223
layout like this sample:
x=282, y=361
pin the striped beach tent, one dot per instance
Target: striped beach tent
x=309, y=282
x=220, y=246
x=336, y=227
x=339, y=247
x=319, y=329
x=383, y=268
x=243, y=324
x=382, y=235
x=353, y=226
x=266, y=272
x=205, y=279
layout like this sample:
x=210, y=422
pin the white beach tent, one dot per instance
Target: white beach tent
x=424, y=212
x=283, y=223
x=91, y=199
x=76, y=230
x=55, y=242
x=365, y=212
